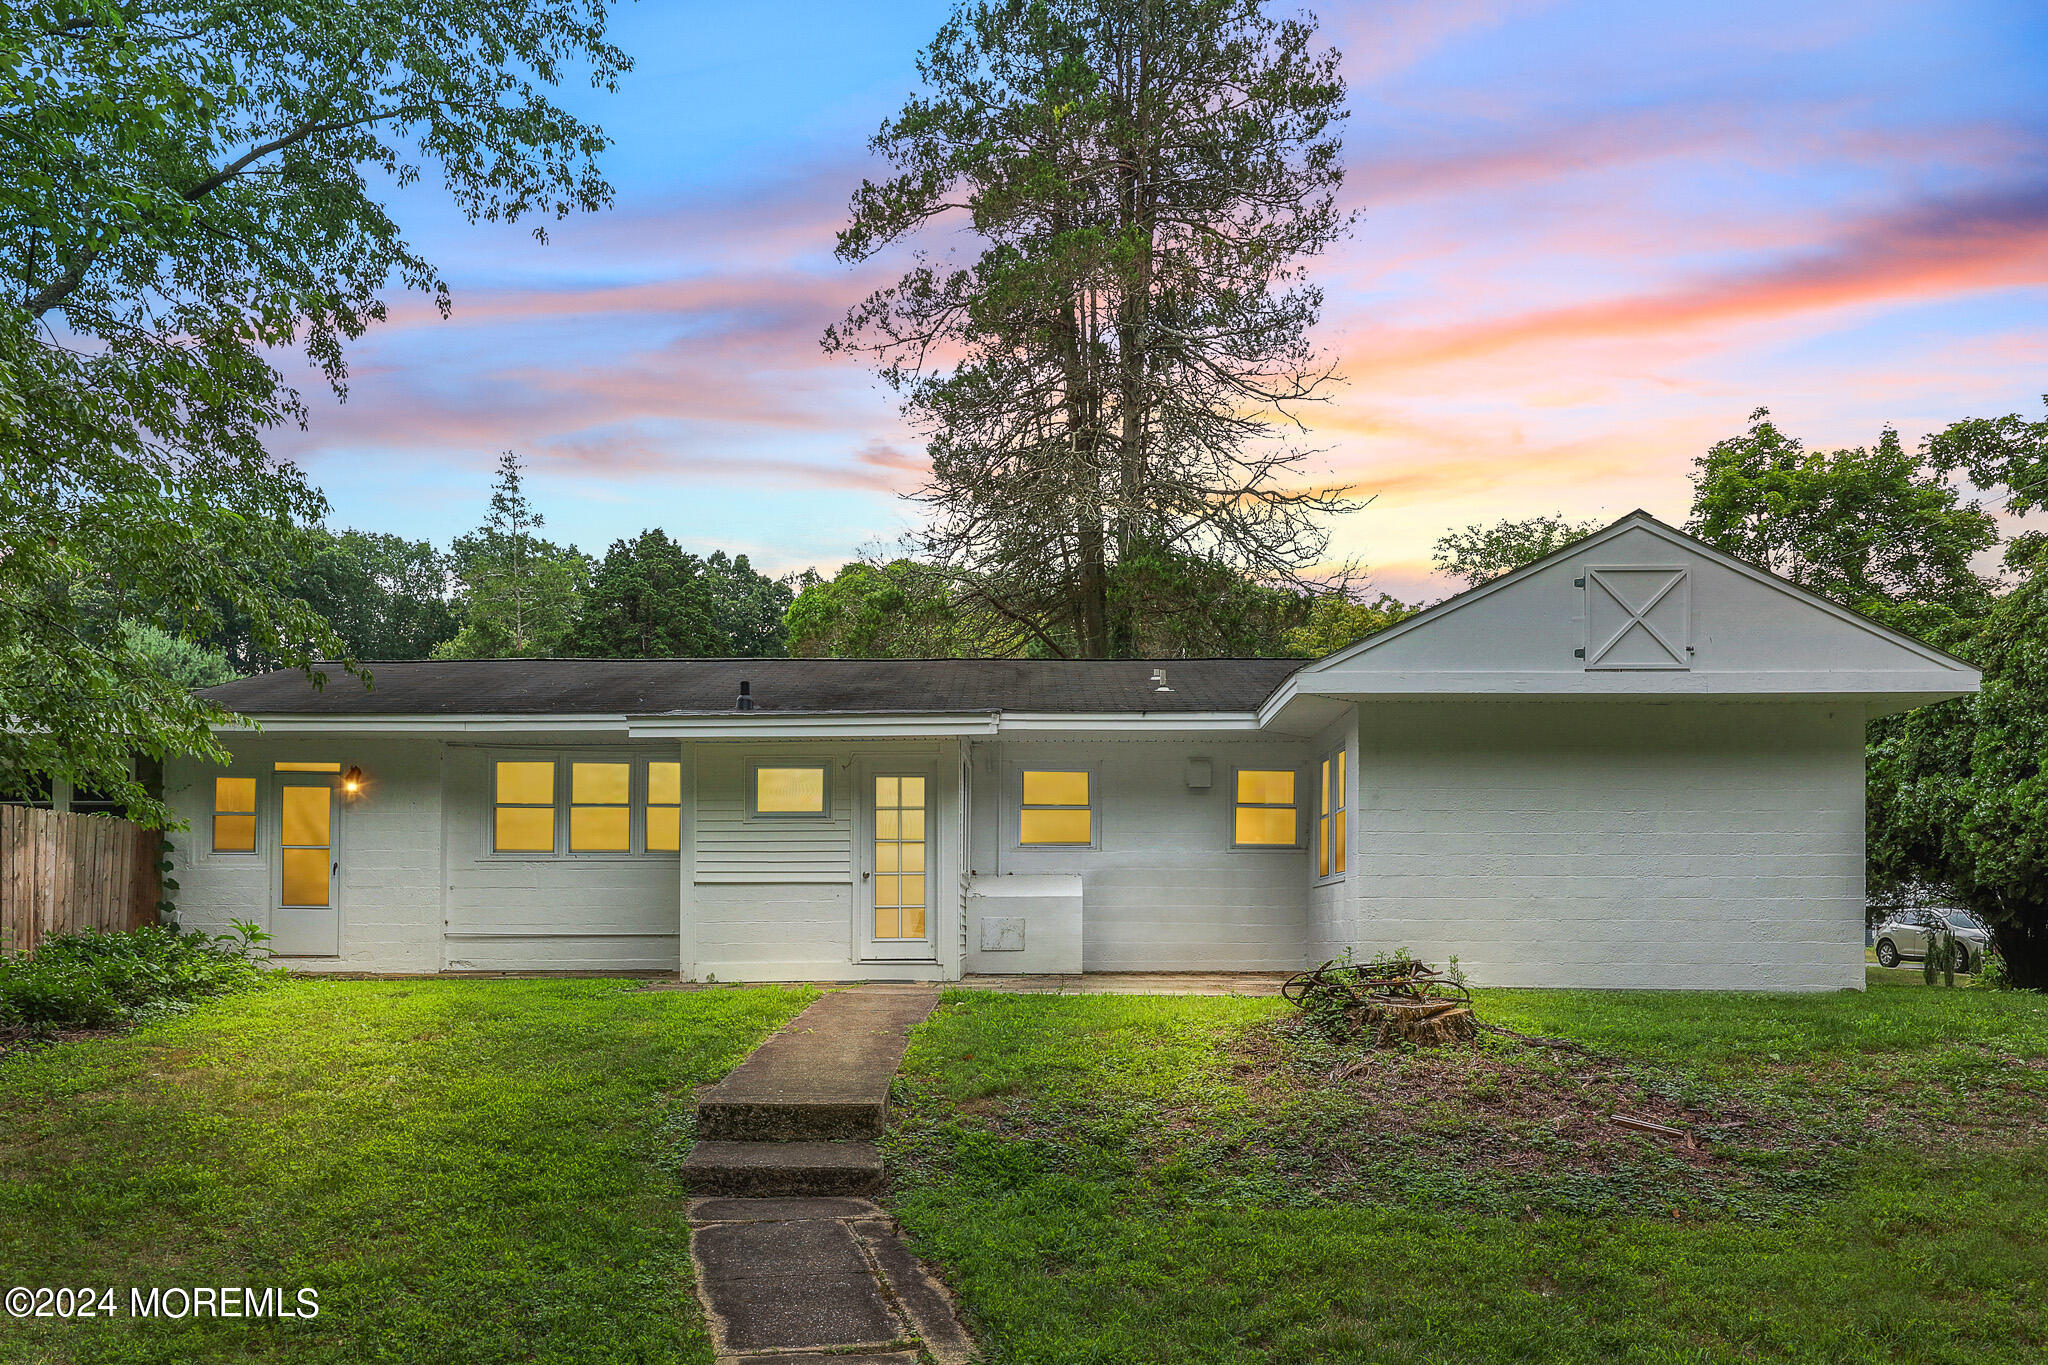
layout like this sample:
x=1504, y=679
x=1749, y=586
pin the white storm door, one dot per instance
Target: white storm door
x=898, y=875
x=304, y=919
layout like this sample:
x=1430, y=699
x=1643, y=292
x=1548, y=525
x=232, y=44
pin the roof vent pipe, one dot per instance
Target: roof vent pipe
x=746, y=701
x=1159, y=680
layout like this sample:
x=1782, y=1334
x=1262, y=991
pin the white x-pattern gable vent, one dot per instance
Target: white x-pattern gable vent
x=1637, y=616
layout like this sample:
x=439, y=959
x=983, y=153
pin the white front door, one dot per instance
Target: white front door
x=897, y=876
x=304, y=920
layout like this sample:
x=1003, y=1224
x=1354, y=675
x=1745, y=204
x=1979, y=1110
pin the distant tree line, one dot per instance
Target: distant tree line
x=500, y=591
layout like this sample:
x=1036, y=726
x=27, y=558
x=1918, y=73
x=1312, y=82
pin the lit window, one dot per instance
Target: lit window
x=1266, y=816
x=1330, y=817
x=790, y=791
x=234, y=815
x=1056, y=809
x=664, y=807
x=600, y=807
x=525, y=820
x=307, y=767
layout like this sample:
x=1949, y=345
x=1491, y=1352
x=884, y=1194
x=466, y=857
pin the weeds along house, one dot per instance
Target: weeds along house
x=1638, y=762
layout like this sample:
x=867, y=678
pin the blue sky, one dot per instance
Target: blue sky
x=1595, y=236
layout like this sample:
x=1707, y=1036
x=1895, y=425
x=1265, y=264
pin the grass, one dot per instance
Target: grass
x=1139, y=1179
x=466, y=1171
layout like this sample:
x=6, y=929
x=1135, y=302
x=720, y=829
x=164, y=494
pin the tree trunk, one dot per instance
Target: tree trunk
x=1091, y=590
x=2024, y=947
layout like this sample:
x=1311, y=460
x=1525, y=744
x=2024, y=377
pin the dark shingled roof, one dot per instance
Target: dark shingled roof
x=781, y=686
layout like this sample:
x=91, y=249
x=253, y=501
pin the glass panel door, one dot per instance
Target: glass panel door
x=305, y=923
x=898, y=873
x=899, y=879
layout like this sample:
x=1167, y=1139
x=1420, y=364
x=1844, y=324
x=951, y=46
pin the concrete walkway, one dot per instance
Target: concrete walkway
x=817, y=1281
x=1133, y=983
x=789, y=1267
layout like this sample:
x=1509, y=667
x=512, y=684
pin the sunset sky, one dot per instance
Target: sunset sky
x=1596, y=235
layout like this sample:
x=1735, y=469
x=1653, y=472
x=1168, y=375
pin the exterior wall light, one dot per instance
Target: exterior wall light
x=352, y=783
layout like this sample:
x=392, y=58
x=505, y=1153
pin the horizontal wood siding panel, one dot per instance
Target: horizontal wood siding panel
x=731, y=849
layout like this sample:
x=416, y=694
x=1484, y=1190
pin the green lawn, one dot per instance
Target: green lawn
x=1146, y=1179
x=466, y=1171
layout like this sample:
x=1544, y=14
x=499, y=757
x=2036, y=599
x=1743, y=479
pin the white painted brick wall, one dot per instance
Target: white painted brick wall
x=1583, y=843
x=1164, y=891
x=388, y=845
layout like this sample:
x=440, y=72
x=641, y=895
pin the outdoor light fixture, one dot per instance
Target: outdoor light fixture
x=352, y=781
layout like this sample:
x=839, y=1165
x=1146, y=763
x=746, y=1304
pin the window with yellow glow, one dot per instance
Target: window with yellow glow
x=524, y=821
x=1330, y=816
x=664, y=807
x=306, y=767
x=1057, y=808
x=234, y=815
x=600, y=807
x=790, y=791
x=1266, y=814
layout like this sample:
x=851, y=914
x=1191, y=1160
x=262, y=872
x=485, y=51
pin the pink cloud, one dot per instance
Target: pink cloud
x=1987, y=242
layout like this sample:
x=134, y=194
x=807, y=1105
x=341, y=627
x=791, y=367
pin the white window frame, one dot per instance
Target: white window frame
x=636, y=849
x=753, y=793
x=1230, y=830
x=1094, y=807
x=263, y=787
x=1340, y=810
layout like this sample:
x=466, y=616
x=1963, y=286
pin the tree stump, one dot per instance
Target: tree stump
x=1425, y=1023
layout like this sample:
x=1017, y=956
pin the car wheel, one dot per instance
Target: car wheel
x=1962, y=957
x=1887, y=953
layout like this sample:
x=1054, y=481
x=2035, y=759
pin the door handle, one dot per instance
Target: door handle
x=865, y=875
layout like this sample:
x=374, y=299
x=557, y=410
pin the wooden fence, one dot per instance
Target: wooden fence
x=61, y=872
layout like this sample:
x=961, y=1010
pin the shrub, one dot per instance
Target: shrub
x=96, y=979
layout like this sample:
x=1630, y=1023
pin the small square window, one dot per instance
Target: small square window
x=1057, y=809
x=790, y=791
x=1266, y=815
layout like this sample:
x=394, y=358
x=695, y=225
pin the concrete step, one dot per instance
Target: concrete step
x=792, y=1120
x=722, y=1167
x=824, y=1076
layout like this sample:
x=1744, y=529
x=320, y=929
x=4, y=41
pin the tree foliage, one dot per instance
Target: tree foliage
x=1877, y=528
x=518, y=595
x=384, y=596
x=1105, y=383
x=898, y=610
x=650, y=598
x=1958, y=792
x=1480, y=552
x=188, y=187
x=1335, y=622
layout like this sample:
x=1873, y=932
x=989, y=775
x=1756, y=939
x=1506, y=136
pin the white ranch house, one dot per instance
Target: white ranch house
x=1637, y=763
